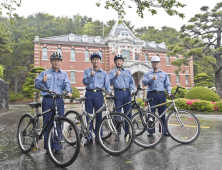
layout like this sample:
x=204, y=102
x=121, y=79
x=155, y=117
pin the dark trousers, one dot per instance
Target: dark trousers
x=93, y=100
x=123, y=97
x=47, y=104
x=158, y=98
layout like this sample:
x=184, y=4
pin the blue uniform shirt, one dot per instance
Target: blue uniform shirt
x=123, y=81
x=160, y=84
x=56, y=81
x=100, y=79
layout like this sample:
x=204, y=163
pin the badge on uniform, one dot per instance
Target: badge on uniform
x=125, y=74
x=58, y=77
x=99, y=76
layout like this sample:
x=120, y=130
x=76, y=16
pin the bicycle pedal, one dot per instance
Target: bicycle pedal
x=35, y=149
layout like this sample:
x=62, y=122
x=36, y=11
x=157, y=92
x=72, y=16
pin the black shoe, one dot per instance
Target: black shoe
x=46, y=152
x=117, y=138
x=57, y=151
x=166, y=134
x=88, y=142
x=150, y=134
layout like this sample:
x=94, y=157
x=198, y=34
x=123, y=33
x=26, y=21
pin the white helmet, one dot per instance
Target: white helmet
x=155, y=59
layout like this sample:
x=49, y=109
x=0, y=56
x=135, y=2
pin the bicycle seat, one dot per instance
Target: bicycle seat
x=35, y=105
x=80, y=99
x=148, y=99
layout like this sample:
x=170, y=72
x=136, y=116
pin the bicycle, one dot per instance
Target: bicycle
x=181, y=124
x=60, y=130
x=109, y=127
x=143, y=121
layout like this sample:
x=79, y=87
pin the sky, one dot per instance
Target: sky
x=88, y=8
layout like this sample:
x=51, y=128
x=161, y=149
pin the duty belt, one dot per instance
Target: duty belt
x=121, y=89
x=156, y=91
x=53, y=97
x=94, y=90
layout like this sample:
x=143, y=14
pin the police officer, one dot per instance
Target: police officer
x=123, y=85
x=55, y=80
x=157, y=81
x=92, y=78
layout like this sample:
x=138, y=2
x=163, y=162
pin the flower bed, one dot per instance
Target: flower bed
x=197, y=104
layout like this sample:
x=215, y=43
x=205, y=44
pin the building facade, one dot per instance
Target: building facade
x=76, y=51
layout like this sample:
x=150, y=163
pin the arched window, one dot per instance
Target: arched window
x=73, y=77
x=44, y=53
x=59, y=51
x=86, y=55
x=146, y=57
x=72, y=56
x=167, y=60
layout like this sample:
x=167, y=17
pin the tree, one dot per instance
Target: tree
x=203, y=80
x=166, y=34
x=202, y=39
x=142, y=5
x=10, y=5
x=28, y=87
x=4, y=40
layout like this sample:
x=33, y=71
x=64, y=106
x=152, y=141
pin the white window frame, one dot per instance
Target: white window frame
x=146, y=57
x=167, y=60
x=44, y=57
x=128, y=59
x=169, y=77
x=187, y=79
x=71, y=79
x=71, y=59
x=85, y=56
x=178, y=80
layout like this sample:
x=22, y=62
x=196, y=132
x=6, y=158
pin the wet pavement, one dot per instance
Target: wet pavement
x=203, y=154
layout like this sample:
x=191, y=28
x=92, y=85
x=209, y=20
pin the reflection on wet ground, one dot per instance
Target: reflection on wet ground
x=204, y=153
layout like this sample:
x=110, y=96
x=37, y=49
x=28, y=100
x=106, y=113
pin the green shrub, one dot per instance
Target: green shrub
x=19, y=96
x=12, y=96
x=182, y=92
x=202, y=93
x=180, y=104
x=202, y=106
x=75, y=93
x=219, y=106
x=1, y=71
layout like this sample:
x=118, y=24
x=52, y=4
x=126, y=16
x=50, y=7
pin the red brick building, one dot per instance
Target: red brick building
x=76, y=51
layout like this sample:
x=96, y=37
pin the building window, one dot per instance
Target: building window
x=72, y=57
x=59, y=51
x=169, y=77
x=177, y=57
x=44, y=53
x=126, y=53
x=178, y=79
x=122, y=34
x=101, y=54
x=167, y=60
x=73, y=76
x=86, y=55
x=186, y=64
x=146, y=57
x=126, y=34
x=187, y=79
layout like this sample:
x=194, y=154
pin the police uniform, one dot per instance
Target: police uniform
x=123, y=86
x=57, y=82
x=94, y=97
x=156, y=90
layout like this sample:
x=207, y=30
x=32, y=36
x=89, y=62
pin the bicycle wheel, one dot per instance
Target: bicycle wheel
x=75, y=117
x=190, y=129
x=63, y=142
x=116, y=144
x=152, y=123
x=25, y=133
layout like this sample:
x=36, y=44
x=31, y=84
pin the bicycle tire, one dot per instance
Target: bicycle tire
x=69, y=148
x=77, y=119
x=155, y=124
x=185, y=134
x=27, y=135
x=109, y=144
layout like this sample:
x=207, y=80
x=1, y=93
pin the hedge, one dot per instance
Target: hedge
x=202, y=93
x=14, y=97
